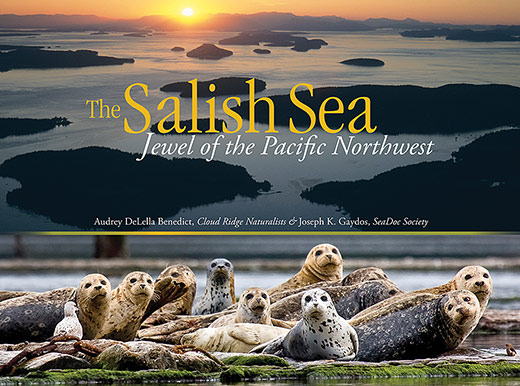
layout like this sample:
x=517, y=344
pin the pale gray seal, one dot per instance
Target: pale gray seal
x=219, y=293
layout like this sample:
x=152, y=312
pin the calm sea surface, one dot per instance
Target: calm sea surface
x=63, y=92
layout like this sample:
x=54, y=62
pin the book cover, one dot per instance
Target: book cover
x=184, y=132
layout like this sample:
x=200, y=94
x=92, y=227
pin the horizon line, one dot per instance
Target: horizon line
x=170, y=16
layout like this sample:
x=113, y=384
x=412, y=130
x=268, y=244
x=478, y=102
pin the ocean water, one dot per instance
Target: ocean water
x=63, y=92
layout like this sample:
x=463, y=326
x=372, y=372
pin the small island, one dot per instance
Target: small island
x=261, y=51
x=202, y=125
x=364, y=62
x=75, y=187
x=275, y=39
x=27, y=126
x=177, y=49
x=223, y=86
x=491, y=35
x=209, y=51
x=476, y=190
x=136, y=34
x=17, y=57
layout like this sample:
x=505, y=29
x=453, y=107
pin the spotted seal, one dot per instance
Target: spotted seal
x=174, y=279
x=32, y=317
x=323, y=263
x=254, y=306
x=70, y=324
x=425, y=326
x=320, y=334
x=128, y=303
x=348, y=300
x=220, y=288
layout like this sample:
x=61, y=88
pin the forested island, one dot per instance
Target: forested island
x=75, y=187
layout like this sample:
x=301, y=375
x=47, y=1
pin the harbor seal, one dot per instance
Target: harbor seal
x=364, y=274
x=32, y=317
x=128, y=303
x=426, y=326
x=254, y=306
x=348, y=300
x=323, y=263
x=178, y=278
x=93, y=300
x=320, y=334
x=240, y=337
x=70, y=324
x=220, y=288
x=475, y=279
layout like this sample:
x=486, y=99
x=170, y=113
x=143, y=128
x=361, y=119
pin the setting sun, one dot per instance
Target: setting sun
x=187, y=12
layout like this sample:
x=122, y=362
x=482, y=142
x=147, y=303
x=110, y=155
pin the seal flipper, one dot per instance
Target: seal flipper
x=246, y=335
x=274, y=346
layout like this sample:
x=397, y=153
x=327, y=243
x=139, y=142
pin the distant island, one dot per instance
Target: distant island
x=476, y=190
x=490, y=35
x=261, y=51
x=202, y=125
x=209, y=51
x=364, y=62
x=453, y=108
x=274, y=39
x=223, y=86
x=27, y=126
x=15, y=57
x=177, y=49
x=74, y=187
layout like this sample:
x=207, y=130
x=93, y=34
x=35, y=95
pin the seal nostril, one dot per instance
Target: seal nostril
x=98, y=287
x=460, y=310
x=143, y=285
x=479, y=283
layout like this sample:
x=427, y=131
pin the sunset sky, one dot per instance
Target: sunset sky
x=456, y=11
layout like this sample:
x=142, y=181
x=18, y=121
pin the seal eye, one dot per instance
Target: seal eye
x=335, y=251
x=264, y=296
x=466, y=299
x=392, y=292
x=450, y=307
x=87, y=285
x=486, y=275
x=149, y=281
x=175, y=274
x=103, y=282
x=133, y=280
x=249, y=296
x=318, y=252
x=307, y=299
x=227, y=265
x=323, y=298
x=467, y=277
x=213, y=265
